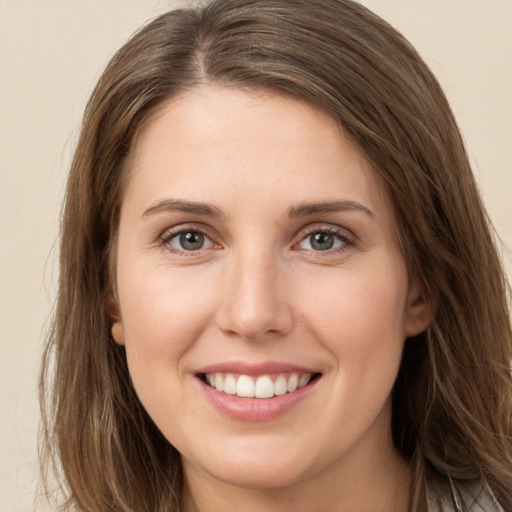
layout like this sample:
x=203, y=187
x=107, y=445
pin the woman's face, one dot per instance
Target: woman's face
x=257, y=255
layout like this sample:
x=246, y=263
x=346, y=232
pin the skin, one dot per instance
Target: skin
x=259, y=291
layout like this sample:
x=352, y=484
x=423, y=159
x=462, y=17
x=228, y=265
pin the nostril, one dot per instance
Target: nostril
x=256, y=322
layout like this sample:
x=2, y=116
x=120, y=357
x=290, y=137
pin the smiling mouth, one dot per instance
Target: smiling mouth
x=262, y=386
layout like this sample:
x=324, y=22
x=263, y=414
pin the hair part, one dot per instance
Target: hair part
x=452, y=402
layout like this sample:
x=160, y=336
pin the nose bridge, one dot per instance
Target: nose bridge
x=252, y=302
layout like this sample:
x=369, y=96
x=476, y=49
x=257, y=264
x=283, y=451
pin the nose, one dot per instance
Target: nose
x=254, y=300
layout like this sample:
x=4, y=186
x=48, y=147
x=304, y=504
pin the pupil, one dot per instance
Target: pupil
x=322, y=241
x=191, y=241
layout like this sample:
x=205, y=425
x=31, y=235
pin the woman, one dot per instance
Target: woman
x=279, y=288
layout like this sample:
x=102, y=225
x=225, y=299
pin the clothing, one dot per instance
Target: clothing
x=443, y=497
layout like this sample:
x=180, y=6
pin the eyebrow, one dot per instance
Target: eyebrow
x=177, y=205
x=306, y=209
x=208, y=210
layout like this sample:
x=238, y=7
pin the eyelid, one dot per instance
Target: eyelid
x=169, y=233
x=343, y=233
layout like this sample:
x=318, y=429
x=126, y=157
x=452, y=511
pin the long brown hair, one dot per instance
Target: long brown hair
x=452, y=402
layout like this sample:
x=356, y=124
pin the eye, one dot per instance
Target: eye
x=323, y=240
x=187, y=240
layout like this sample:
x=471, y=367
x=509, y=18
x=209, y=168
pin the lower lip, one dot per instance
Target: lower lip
x=256, y=409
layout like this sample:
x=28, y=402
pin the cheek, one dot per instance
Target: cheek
x=163, y=314
x=360, y=321
x=359, y=308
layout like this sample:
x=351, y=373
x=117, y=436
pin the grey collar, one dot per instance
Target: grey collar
x=454, y=496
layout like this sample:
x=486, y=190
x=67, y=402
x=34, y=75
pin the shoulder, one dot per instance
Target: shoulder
x=443, y=496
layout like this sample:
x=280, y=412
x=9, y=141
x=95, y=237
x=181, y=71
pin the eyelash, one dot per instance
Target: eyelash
x=342, y=235
x=165, y=239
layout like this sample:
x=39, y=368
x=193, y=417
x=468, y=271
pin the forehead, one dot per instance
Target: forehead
x=205, y=114
x=212, y=138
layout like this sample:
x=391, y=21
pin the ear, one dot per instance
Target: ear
x=117, y=329
x=419, y=312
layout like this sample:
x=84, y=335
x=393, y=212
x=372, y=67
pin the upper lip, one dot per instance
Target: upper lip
x=249, y=368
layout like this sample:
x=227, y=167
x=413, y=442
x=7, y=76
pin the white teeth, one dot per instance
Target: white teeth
x=264, y=387
x=293, y=383
x=304, y=379
x=245, y=386
x=230, y=384
x=280, y=385
x=260, y=387
x=219, y=382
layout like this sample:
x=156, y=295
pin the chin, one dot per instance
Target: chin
x=259, y=477
x=256, y=464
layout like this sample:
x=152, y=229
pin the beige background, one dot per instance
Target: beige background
x=51, y=53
